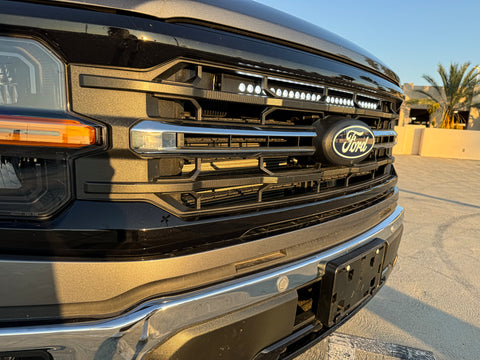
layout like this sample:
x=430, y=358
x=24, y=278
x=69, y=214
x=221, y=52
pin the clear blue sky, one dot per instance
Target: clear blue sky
x=410, y=36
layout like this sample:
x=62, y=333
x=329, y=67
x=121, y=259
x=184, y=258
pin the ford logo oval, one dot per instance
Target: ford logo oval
x=342, y=141
x=353, y=142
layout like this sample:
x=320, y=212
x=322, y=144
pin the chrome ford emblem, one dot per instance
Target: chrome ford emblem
x=342, y=141
x=353, y=142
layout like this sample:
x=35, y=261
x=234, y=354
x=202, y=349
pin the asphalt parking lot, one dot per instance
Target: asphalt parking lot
x=429, y=308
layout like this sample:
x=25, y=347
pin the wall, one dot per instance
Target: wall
x=441, y=143
x=409, y=138
x=456, y=144
x=474, y=119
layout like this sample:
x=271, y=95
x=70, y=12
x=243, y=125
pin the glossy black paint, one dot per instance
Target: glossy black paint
x=101, y=38
x=252, y=19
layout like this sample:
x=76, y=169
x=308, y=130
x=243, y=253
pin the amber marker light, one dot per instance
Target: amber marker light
x=30, y=131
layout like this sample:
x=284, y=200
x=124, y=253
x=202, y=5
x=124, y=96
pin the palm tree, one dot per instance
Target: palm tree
x=460, y=87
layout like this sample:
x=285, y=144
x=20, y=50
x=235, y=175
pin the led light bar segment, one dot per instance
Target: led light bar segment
x=339, y=97
x=28, y=131
x=339, y=101
x=295, y=90
x=297, y=95
x=255, y=85
x=368, y=103
x=242, y=84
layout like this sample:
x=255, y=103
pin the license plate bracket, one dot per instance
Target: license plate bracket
x=349, y=280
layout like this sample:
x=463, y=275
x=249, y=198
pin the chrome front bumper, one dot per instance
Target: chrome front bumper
x=137, y=332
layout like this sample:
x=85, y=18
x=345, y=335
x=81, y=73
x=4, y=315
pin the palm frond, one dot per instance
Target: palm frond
x=460, y=85
x=433, y=83
x=430, y=96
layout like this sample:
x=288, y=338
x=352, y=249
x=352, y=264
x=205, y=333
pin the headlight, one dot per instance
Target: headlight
x=30, y=75
x=37, y=136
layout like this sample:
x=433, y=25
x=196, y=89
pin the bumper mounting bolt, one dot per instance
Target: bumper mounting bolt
x=282, y=283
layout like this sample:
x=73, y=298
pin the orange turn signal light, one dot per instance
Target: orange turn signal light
x=30, y=131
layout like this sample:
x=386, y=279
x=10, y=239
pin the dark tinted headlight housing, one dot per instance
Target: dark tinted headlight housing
x=31, y=186
x=38, y=138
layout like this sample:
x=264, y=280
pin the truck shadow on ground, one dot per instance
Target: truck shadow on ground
x=440, y=331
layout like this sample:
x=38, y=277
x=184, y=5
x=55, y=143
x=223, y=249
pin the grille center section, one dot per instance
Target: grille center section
x=215, y=139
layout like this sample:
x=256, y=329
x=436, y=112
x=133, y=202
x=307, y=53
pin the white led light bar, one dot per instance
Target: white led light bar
x=368, y=105
x=249, y=88
x=335, y=100
x=297, y=95
x=338, y=98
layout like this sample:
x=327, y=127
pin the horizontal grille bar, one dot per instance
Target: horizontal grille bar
x=165, y=186
x=194, y=204
x=182, y=90
x=154, y=137
x=155, y=126
x=379, y=133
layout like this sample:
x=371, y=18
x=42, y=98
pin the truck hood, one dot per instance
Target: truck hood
x=256, y=19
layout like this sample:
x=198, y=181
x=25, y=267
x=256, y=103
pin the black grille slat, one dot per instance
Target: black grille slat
x=284, y=192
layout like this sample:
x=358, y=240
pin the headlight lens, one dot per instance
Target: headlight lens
x=31, y=186
x=30, y=76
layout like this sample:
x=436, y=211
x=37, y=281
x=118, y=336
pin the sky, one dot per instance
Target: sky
x=410, y=36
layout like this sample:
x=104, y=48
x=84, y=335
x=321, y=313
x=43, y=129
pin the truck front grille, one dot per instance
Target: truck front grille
x=217, y=139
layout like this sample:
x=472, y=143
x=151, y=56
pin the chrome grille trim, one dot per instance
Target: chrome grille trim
x=157, y=130
x=143, y=132
x=379, y=133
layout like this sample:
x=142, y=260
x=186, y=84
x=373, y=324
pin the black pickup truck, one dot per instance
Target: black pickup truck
x=188, y=179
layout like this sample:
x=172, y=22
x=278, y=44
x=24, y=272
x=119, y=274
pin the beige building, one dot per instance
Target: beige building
x=415, y=114
x=418, y=135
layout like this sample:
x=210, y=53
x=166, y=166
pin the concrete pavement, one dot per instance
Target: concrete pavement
x=431, y=300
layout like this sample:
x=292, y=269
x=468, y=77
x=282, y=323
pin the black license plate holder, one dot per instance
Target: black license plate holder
x=349, y=280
